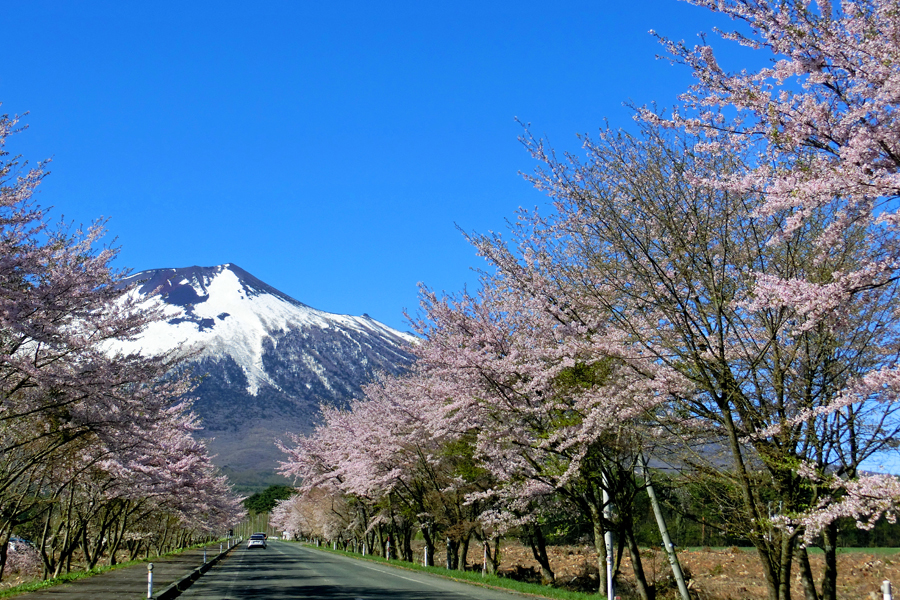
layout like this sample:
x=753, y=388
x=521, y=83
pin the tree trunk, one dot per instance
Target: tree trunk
x=784, y=570
x=539, y=551
x=4, y=541
x=134, y=548
x=429, y=546
x=644, y=589
x=600, y=547
x=42, y=547
x=452, y=554
x=120, y=533
x=407, y=544
x=90, y=557
x=382, y=542
x=829, y=576
x=164, y=539
x=464, y=551
x=763, y=549
x=493, y=555
x=68, y=519
x=806, y=575
x=769, y=572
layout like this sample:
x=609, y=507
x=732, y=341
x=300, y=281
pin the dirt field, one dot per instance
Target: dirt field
x=727, y=574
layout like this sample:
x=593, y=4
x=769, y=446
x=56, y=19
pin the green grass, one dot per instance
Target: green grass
x=473, y=577
x=34, y=586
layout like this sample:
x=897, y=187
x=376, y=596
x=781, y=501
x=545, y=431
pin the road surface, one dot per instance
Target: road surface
x=288, y=570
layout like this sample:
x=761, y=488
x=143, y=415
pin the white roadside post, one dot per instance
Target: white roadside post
x=886, y=590
x=608, y=542
x=150, y=580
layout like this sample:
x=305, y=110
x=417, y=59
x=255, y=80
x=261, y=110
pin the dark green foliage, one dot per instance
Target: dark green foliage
x=699, y=515
x=461, y=454
x=265, y=501
x=585, y=375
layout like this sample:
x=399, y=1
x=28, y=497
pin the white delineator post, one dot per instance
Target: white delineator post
x=608, y=542
x=150, y=580
x=886, y=590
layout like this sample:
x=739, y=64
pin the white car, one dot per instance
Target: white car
x=257, y=540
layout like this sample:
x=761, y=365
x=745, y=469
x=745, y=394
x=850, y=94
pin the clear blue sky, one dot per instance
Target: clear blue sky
x=329, y=148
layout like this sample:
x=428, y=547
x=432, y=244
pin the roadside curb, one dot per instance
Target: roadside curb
x=173, y=590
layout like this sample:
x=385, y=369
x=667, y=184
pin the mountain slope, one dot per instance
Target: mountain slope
x=269, y=361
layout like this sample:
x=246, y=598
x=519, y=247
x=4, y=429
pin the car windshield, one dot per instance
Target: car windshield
x=257, y=536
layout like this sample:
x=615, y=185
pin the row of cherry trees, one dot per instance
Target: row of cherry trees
x=715, y=293
x=820, y=125
x=96, y=451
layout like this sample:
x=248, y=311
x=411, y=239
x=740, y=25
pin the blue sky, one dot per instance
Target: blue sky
x=330, y=149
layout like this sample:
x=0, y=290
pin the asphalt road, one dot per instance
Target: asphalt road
x=289, y=570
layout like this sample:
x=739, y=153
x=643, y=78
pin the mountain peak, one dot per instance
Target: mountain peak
x=224, y=310
x=269, y=361
x=186, y=285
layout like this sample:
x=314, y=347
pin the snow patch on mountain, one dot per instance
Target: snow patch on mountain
x=226, y=311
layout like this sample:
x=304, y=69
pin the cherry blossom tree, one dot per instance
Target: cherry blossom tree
x=820, y=120
x=548, y=399
x=732, y=289
x=317, y=513
x=382, y=453
x=72, y=407
x=641, y=241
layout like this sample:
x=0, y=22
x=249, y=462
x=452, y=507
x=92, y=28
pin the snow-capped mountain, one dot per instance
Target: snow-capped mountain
x=268, y=361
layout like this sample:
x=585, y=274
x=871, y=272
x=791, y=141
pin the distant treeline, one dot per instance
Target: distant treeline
x=265, y=501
